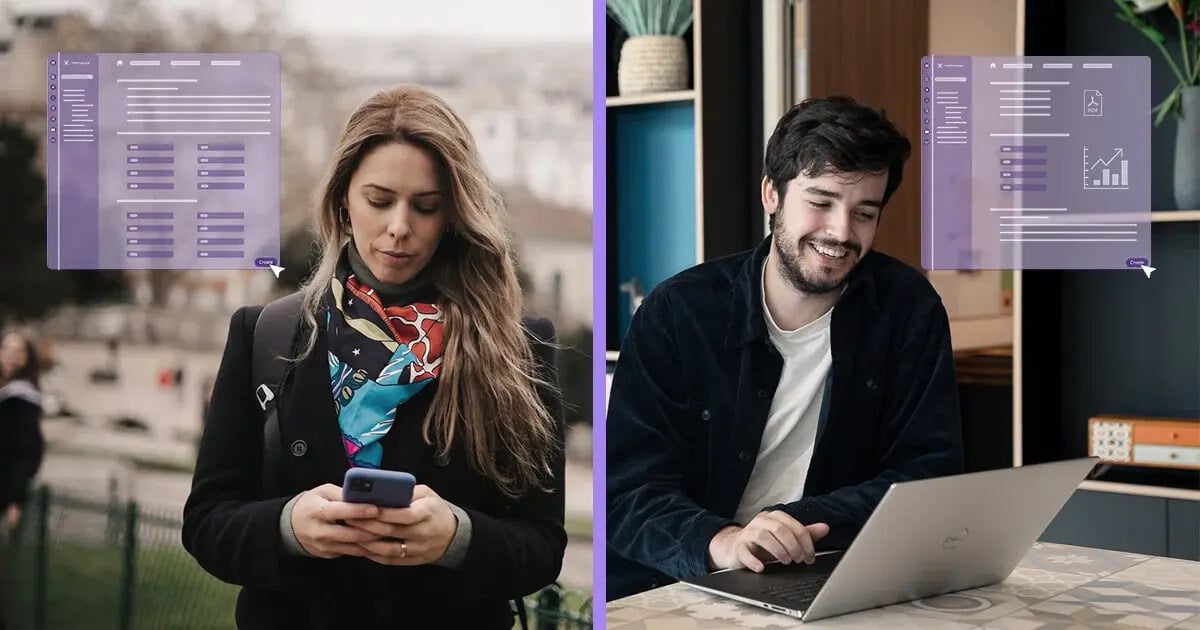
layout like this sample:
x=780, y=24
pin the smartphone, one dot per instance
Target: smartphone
x=384, y=488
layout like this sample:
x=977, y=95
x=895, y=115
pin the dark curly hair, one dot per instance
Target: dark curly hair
x=819, y=135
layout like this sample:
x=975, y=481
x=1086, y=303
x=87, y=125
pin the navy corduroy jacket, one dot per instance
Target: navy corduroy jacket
x=693, y=387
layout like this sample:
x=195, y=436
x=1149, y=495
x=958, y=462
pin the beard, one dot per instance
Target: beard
x=797, y=261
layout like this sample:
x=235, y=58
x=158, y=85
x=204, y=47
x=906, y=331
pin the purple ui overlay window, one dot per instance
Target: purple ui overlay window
x=162, y=161
x=1035, y=162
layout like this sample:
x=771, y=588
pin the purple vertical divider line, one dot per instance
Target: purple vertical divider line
x=599, y=365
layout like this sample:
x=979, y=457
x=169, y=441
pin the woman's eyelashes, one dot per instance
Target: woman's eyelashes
x=387, y=203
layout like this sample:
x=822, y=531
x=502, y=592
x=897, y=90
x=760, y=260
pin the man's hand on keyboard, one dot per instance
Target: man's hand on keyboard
x=768, y=536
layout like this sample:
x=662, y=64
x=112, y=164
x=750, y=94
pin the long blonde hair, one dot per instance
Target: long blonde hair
x=488, y=394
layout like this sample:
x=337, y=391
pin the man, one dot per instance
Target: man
x=763, y=402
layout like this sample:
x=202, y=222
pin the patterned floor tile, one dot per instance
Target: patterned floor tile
x=1053, y=547
x=662, y=599
x=669, y=622
x=1079, y=560
x=1056, y=587
x=1120, y=596
x=965, y=606
x=709, y=612
x=1180, y=574
x=1038, y=617
x=1025, y=620
x=888, y=620
x=1038, y=583
x=735, y=614
x=622, y=614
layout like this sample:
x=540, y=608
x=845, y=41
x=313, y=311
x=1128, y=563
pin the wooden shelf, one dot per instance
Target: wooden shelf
x=650, y=99
x=1142, y=490
x=1163, y=216
x=981, y=332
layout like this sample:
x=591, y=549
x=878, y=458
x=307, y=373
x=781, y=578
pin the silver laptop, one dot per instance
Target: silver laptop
x=925, y=538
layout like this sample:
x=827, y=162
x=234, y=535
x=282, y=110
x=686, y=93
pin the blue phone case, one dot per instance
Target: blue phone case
x=384, y=488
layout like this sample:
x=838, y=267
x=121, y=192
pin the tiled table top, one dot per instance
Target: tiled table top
x=1056, y=587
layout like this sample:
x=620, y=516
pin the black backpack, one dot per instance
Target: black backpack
x=274, y=343
x=273, y=346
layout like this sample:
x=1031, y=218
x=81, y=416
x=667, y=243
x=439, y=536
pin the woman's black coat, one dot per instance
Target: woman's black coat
x=232, y=529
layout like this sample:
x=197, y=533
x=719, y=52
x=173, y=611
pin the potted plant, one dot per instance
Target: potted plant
x=654, y=58
x=1184, y=100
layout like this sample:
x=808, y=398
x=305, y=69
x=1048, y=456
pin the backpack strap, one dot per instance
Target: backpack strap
x=519, y=604
x=274, y=339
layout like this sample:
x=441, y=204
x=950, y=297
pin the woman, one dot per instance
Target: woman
x=413, y=321
x=20, y=420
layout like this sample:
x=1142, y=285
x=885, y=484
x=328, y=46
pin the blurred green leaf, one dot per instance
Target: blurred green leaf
x=28, y=288
x=1168, y=106
x=652, y=17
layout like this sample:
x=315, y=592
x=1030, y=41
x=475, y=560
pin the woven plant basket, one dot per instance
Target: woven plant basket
x=652, y=63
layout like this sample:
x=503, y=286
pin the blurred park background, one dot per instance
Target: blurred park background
x=131, y=354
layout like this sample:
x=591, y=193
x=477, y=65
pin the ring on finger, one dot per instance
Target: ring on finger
x=403, y=549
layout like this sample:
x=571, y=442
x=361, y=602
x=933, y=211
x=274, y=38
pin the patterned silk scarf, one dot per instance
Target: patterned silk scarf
x=379, y=358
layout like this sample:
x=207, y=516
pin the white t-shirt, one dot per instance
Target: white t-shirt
x=791, y=432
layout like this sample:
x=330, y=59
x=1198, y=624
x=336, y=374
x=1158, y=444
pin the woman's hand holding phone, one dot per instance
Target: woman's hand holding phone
x=320, y=521
x=417, y=534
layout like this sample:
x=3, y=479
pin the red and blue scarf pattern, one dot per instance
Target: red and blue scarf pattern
x=379, y=358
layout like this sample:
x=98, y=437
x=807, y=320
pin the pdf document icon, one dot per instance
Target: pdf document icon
x=1093, y=103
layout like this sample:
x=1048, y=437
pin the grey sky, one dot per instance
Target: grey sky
x=510, y=20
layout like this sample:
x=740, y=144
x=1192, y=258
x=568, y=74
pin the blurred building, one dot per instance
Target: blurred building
x=26, y=36
x=554, y=246
x=529, y=108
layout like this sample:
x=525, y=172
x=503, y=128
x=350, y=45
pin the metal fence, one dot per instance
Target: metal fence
x=81, y=563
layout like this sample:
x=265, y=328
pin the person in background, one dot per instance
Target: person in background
x=413, y=356
x=21, y=446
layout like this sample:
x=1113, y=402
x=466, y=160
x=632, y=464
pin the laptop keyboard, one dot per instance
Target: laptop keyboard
x=799, y=591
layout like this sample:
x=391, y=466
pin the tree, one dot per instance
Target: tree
x=575, y=375
x=138, y=26
x=29, y=289
x=298, y=256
